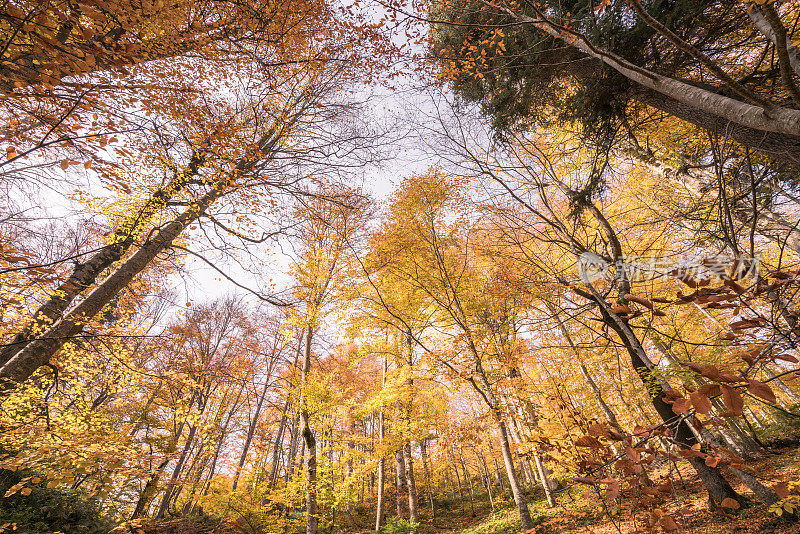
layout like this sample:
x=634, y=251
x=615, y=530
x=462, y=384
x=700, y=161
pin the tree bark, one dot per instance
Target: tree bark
x=778, y=120
x=381, y=459
x=162, y=509
x=312, y=521
x=548, y=493
x=413, y=515
x=401, y=483
x=718, y=488
x=757, y=15
x=151, y=485
x=424, y=450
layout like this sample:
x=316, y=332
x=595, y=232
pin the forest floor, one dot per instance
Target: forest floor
x=578, y=510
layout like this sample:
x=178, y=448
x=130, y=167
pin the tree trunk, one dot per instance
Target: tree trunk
x=312, y=521
x=779, y=120
x=37, y=351
x=277, y=449
x=381, y=460
x=151, y=485
x=85, y=274
x=544, y=478
x=718, y=488
x=401, y=483
x=413, y=515
x=424, y=450
x=519, y=497
x=756, y=14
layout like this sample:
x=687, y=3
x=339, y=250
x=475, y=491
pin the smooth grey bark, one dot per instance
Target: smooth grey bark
x=757, y=15
x=39, y=351
x=516, y=491
x=401, y=483
x=778, y=119
x=782, y=147
x=408, y=460
x=548, y=493
x=85, y=274
x=33, y=351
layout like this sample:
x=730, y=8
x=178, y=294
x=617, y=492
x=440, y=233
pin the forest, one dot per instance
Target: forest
x=399, y=266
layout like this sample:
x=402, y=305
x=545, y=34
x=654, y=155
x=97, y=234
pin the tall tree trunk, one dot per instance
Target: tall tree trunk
x=484, y=474
x=413, y=515
x=760, y=20
x=277, y=448
x=548, y=492
x=718, y=488
x=779, y=120
x=401, y=483
x=312, y=521
x=381, y=459
x=37, y=350
x=424, y=450
x=458, y=479
x=516, y=491
x=408, y=459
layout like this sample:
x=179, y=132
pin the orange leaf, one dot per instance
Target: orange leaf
x=727, y=502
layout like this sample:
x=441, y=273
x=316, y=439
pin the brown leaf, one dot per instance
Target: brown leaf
x=782, y=489
x=588, y=441
x=681, y=406
x=709, y=390
x=639, y=300
x=597, y=430
x=700, y=402
x=762, y=390
x=612, y=491
x=733, y=399
x=669, y=524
